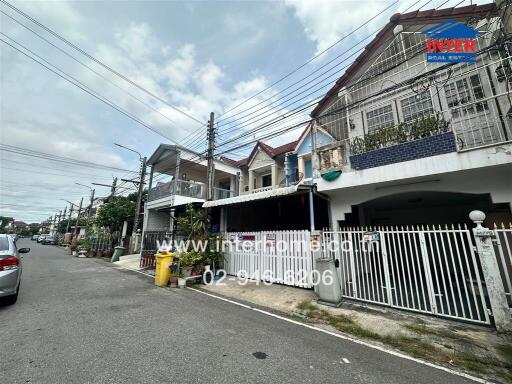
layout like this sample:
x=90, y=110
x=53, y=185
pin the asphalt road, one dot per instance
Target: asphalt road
x=83, y=321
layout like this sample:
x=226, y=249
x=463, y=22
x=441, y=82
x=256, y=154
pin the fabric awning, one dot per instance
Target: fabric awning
x=256, y=196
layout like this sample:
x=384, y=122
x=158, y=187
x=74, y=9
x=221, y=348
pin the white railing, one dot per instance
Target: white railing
x=432, y=271
x=262, y=189
x=282, y=257
x=220, y=193
x=503, y=250
x=178, y=187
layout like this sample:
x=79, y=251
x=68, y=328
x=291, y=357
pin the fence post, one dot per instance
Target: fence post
x=494, y=283
x=328, y=293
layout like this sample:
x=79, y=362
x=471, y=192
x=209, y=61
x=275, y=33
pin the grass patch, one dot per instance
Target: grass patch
x=422, y=329
x=506, y=351
x=306, y=305
x=418, y=347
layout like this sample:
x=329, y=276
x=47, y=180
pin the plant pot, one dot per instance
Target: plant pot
x=182, y=283
x=173, y=280
x=187, y=271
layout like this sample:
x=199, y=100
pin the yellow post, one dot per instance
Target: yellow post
x=162, y=271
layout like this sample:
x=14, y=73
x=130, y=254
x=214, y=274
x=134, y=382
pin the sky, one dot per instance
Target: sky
x=197, y=56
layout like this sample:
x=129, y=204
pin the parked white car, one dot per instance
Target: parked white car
x=10, y=269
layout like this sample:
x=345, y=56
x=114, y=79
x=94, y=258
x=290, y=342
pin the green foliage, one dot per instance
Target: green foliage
x=115, y=212
x=194, y=224
x=86, y=244
x=189, y=259
x=402, y=133
x=64, y=224
x=4, y=220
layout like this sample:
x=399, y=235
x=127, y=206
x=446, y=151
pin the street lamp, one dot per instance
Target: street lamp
x=129, y=149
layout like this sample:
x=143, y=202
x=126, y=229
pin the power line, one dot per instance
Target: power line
x=310, y=60
x=304, y=107
x=115, y=72
x=61, y=159
x=407, y=82
x=88, y=67
x=78, y=84
x=335, y=66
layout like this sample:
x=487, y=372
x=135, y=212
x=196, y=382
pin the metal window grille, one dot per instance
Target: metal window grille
x=416, y=107
x=380, y=118
x=462, y=94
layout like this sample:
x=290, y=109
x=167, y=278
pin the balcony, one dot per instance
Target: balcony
x=219, y=193
x=178, y=187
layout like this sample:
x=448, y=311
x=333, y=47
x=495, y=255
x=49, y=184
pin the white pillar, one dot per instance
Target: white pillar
x=301, y=166
x=251, y=181
x=491, y=272
x=274, y=175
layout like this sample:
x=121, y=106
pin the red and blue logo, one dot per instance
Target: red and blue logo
x=451, y=42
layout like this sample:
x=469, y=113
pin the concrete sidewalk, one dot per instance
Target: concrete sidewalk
x=131, y=262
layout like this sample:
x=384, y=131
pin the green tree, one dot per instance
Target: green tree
x=63, y=225
x=194, y=224
x=113, y=213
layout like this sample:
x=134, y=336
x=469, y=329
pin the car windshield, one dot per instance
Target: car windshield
x=4, y=244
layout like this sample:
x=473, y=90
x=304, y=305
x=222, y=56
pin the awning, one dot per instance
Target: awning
x=271, y=193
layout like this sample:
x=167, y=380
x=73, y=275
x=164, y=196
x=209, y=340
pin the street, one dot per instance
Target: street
x=83, y=321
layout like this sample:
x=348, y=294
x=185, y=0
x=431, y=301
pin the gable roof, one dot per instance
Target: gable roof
x=416, y=17
x=270, y=151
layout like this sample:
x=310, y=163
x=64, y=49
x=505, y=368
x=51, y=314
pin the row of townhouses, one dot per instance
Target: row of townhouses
x=396, y=141
x=401, y=146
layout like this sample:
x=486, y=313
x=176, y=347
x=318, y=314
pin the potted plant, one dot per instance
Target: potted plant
x=73, y=247
x=173, y=278
x=182, y=282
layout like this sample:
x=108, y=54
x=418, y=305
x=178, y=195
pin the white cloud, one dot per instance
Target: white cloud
x=327, y=21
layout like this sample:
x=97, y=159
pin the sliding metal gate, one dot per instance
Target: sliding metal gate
x=433, y=271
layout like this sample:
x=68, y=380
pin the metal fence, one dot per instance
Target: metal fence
x=503, y=250
x=149, y=247
x=101, y=243
x=433, y=271
x=282, y=257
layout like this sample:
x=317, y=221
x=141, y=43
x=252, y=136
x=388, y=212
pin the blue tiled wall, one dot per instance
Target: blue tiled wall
x=417, y=149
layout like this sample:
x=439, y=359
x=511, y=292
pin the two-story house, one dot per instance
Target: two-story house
x=276, y=190
x=178, y=177
x=418, y=142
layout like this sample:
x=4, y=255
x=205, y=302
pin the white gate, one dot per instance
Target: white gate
x=434, y=271
x=503, y=250
x=282, y=257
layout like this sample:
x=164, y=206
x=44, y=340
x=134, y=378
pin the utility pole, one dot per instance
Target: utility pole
x=113, y=188
x=64, y=214
x=53, y=224
x=210, y=172
x=75, y=231
x=139, y=196
x=90, y=206
x=69, y=218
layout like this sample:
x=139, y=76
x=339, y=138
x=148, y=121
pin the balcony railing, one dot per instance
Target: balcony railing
x=219, y=193
x=178, y=187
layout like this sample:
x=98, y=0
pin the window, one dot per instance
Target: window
x=461, y=96
x=416, y=107
x=266, y=181
x=380, y=118
x=4, y=244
